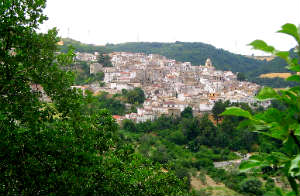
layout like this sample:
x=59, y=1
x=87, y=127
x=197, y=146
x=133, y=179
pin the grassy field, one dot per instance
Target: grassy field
x=275, y=75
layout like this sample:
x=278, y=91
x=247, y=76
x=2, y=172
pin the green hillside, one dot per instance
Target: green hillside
x=196, y=53
x=81, y=47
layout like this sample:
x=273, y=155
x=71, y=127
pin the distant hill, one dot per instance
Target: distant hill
x=194, y=52
x=80, y=47
x=197, y=53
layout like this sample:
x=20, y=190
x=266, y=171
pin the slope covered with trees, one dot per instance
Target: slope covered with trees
x=81, y=47
x=191, y=145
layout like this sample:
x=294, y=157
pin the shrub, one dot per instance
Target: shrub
x=251, y=186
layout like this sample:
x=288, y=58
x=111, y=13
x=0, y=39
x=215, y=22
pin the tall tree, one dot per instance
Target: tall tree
x=56, y=148
x=241, y=77
x=218, y=108
x=104, y=59
x=187, y=113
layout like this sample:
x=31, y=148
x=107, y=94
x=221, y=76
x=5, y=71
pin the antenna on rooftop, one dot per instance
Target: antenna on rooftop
x=88, y=38
x=235, y=47
x=138, y=37
x=68, y=35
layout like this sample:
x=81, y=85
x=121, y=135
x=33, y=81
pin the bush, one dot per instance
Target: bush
x=129, y=125
x=270, y=184
x=177, y=137
x=203, y=163
x=251, y=186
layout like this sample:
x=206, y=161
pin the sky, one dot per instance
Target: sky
x=227, y=24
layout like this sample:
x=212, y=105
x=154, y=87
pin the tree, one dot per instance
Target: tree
x=282, y=126
x=104, y=59
x=135, y=96
x=187, y=113
x=241, y=77
x=128, y=125
x=252, y=186
x=58, y=147
x=218, y=108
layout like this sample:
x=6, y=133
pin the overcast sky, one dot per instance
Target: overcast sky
x=227, y=24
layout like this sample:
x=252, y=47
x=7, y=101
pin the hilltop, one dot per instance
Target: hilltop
x=196, y=53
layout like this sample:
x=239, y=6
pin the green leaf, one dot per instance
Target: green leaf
x=296, y=128
x=294, y=68
x=294, y=169
x=247, y=165
x=257, y=157
x=291, y=193
x=290, y=29
x=279, y=191
x=244, y=124
x=280, y=156
x=295, y=78
x=260, y=127
x=235, y=111
x=294, y=186
x=283, y=54
x=295, y=89
x=261, y=45
x=267, y=93
x=274, y=134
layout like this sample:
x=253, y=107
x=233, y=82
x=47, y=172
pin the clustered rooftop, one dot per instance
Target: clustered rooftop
x=169, y=85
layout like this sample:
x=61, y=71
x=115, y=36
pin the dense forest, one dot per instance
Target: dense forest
x=197, y=53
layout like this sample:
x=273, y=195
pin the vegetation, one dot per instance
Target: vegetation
x=135, y=96
x=104, y=101
x=196, y=53
x=71, y=145
x=187, y=113
x=280, y=125
x=81, y=69
x=59, y=148
x=241, y=77
x=81, y=47
x=190, y=144
x=104, y=60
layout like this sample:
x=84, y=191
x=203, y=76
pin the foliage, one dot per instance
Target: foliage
x=197, y=53
x=252, y=186
x=187, y=113
x=241, y=77
x=103, y=101
x=81, y=47
x=104, y=60
x=135, y=96
x=59, y=147
x=128, y=125
x=82, y=73
x=280, y=125
x=218, y=108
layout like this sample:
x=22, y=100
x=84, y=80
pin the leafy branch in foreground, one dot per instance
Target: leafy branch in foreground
x=59, y=147
x=281, y=125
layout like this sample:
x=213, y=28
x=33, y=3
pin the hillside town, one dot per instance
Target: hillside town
x=169, y=86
